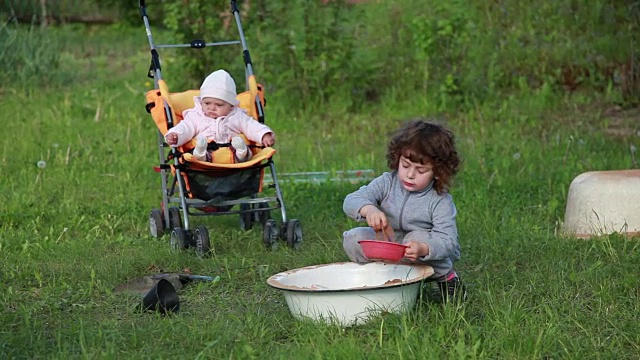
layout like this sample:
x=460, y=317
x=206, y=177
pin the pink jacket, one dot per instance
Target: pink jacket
x=221, y=129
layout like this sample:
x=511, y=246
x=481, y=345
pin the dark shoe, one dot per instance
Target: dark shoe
x=429, y=293
x=452, y=290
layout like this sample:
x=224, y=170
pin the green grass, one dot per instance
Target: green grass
x=73, y=231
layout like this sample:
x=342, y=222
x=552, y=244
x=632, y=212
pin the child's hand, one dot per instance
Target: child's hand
x=375, y=218
x=415, y=250
x=171, y=139
x=268, y=139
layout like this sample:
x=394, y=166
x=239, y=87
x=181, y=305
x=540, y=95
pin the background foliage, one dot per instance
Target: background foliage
x=354, y=55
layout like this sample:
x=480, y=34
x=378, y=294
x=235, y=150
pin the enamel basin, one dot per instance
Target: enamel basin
x=349, y=293
x=603, y=202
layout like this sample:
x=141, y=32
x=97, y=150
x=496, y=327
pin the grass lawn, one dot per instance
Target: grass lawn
x=74, y=230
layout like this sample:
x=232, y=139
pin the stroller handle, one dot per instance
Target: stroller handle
x=143, y=11
x=234, y=5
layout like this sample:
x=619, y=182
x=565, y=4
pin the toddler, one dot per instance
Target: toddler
x=217, y=117
x=412, y=203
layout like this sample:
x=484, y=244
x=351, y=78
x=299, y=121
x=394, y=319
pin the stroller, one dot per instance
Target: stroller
x=195, y=188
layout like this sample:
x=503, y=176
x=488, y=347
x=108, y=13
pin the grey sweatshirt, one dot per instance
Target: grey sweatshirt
x=423, y=216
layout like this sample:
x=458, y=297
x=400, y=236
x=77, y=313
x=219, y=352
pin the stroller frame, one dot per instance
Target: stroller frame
x=253, y=208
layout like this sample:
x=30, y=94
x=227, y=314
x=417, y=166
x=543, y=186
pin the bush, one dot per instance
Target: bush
x=312, y=54
x=28, y=56
x=311, y=57
x=200, y=20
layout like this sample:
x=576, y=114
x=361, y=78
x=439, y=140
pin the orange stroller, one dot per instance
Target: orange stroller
x=193, y=188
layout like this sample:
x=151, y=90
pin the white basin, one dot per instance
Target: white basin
x=350, y=293
x=603, y=202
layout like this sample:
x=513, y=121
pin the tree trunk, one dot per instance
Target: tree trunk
x=43, y=15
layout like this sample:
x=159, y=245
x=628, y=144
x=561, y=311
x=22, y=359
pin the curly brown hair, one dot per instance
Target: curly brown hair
x=426, y=143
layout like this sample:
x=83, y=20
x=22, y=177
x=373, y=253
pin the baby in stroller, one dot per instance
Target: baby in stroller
x=217, y=118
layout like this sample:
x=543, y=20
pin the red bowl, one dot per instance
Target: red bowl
x=382, y=250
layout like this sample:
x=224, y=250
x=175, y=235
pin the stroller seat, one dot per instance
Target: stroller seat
x=258, y=158
x=212, y=182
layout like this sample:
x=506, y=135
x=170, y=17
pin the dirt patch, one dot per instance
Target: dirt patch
x=621, y=123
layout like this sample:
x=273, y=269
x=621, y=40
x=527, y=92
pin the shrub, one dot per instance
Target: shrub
x=28, y=56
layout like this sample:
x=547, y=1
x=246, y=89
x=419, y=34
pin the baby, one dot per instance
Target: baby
x=217, y=117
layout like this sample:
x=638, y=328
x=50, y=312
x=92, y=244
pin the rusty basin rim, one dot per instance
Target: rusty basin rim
x=424, y=271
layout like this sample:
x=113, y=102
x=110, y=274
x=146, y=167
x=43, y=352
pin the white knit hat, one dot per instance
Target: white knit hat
x=220, y=85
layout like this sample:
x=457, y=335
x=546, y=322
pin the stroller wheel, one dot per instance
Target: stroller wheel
x=201, y=237
x=246, y=217
x=263, y=215
x=179, y=239
x=174, y=218
x=270, y=234
x=156, y=223
x=294, y=234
